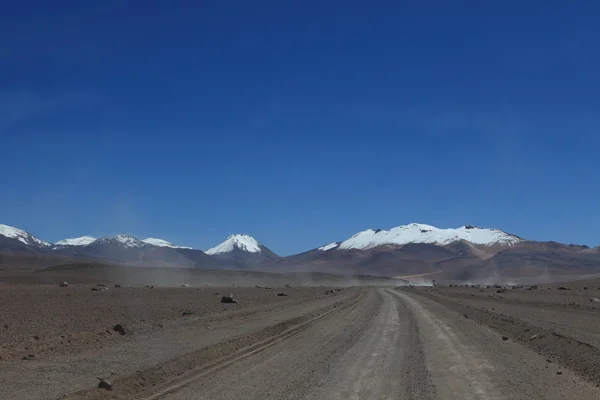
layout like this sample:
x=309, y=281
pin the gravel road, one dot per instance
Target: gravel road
x=390, y=345
x=361, y=343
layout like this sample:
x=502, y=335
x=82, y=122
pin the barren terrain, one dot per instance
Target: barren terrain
x=316, y=342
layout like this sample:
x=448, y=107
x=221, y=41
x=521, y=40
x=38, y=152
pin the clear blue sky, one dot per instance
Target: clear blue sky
x=299, y=123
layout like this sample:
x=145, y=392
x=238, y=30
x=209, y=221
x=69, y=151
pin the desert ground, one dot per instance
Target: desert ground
x=318, y=340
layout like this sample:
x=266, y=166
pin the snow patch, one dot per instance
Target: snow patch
x=329, y=246
x=22, y=236
x=421, y=233
x=125, y=240
x=237, y=241
x=80, y=241
x=162, y=243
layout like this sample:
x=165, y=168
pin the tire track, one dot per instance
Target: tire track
x=189, y=378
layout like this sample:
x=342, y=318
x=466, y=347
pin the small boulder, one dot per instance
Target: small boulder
x=117, y=285
x=281, y=294
x=63, y=284
x=187, y=312
x=228, y=298
x=504, y=337
x=104, y=384
x=119, y=328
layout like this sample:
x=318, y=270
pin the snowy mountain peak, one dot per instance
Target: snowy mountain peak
x=22, y=236
x=237, y=241
x=125, y=240
x=421, y=233
x=162, y=243
x=80, y=241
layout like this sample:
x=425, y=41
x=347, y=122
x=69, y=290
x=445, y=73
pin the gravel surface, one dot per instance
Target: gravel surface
x=357, y=343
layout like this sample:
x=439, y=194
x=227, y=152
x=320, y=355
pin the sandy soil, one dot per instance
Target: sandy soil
x=364, y=342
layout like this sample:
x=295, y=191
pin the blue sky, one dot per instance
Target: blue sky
x=299, y=123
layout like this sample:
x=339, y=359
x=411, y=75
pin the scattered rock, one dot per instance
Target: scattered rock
x=36, y=337
x=533, y=337
x=562, y=288
x=187, y=312
x=104, y=384
x=501, y=291
x=228, y=298
x=287, y=285
x=558, y=372
x=100, y=285
x=465, y=316
x=281, y=294
x=185, y=285
x=119, y=328
x=99, y=289
x=63, y=284
x=117, y=285
x=29, y=357
x=216, y=293
x=595, y=300
x=504, y=337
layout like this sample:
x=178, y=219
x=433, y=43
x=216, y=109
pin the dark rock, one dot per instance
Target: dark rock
x=187, y=312
x=558, y=372
x=562, y=288
x=281, y=294
x=287, y=286
x=104, y=384
x=504, y=337
x=100, y=285
x=63, y=284
x=117, y=285
x=119, y=328
x=228, y=298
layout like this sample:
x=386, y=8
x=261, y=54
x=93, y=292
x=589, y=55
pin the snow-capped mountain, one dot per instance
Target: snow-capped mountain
x=236, y=242
x=421, y=233
x=162, y=243
x=22, y=236
x=241, y=251
x=123, y=240
x=80, y=241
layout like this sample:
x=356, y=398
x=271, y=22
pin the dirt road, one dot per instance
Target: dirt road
x=370, y=343
x=392, y=345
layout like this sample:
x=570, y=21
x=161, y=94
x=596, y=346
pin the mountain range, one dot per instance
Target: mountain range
x=416, y=251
